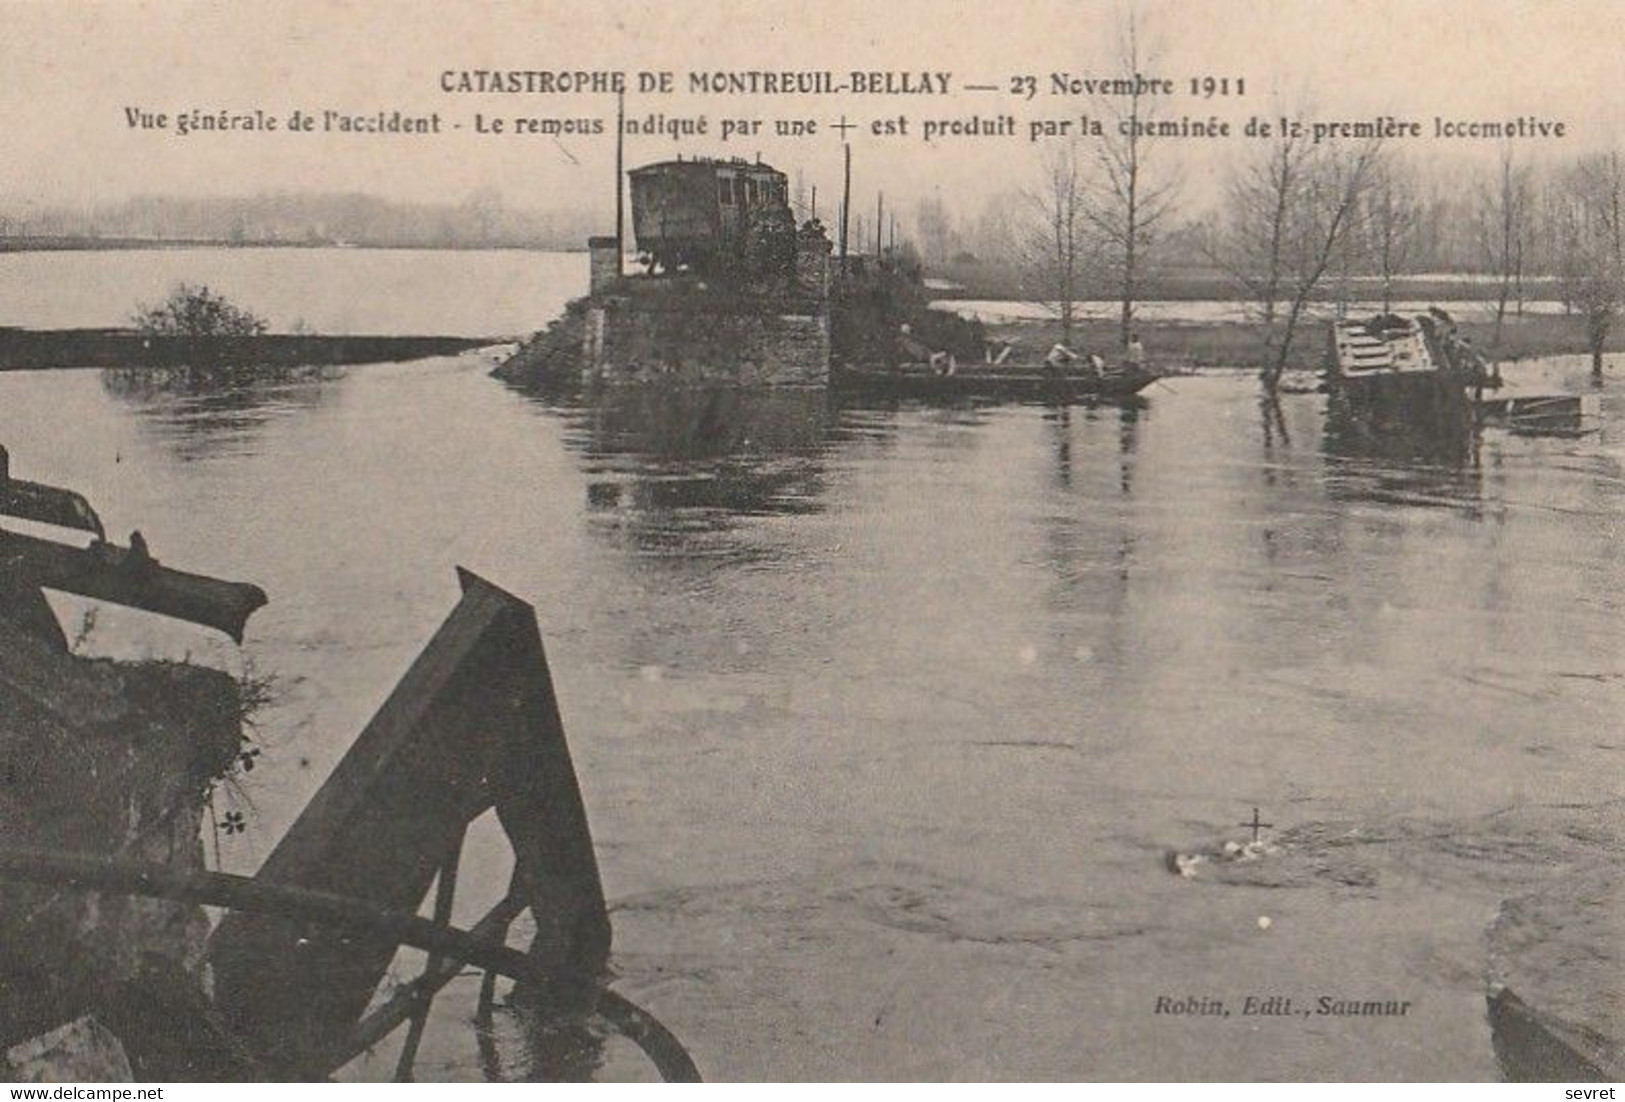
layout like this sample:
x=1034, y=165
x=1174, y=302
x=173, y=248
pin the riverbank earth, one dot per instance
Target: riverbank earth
x=111, y=758
x=33, y=349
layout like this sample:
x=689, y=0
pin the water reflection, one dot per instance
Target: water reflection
x=1059, y=421
x=1406, y=482
x=1365, y=429
x=1089, y=538
x=668, y=466
x=206, y=411
x=521, y=1043
x=1399, y=461
x=829, y=782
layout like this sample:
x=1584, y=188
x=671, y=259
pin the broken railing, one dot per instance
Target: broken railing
x=481, y=946
x=101, y=571
x=299, y=955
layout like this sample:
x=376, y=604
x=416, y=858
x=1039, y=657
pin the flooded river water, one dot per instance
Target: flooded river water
x=888, y=718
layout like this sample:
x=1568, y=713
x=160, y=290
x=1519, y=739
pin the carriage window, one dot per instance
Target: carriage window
x=725, y=192
x=739, y=190
x=750, y=191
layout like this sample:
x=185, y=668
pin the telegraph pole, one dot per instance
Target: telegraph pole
x=880, y=224
x=846, y=205
x=620, y=183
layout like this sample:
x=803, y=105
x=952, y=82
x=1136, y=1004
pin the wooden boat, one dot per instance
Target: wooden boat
x=1563, y=415
x=1022, y=382
x=1534, y=1047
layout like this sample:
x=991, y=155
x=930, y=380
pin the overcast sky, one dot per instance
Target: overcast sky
x=71, y=69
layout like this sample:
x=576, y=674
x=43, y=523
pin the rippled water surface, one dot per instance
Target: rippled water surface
x=887, y=719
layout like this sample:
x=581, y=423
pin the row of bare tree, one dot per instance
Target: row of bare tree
x=1299, y=221
x=1094, y=216
x=1296, y=221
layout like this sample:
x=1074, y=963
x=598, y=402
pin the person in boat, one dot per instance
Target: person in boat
x=1134, y=354
x=914, y=350
x=908, y=348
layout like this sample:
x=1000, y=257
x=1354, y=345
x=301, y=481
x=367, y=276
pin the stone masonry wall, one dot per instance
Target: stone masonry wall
x=773, y=332
x=632, y=341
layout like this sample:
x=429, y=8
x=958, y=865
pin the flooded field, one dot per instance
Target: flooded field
x=374, y=292
x=1210, y=311
x=889, y=718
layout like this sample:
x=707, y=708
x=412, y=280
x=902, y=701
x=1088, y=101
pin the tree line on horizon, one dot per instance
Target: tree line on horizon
x=481, y=220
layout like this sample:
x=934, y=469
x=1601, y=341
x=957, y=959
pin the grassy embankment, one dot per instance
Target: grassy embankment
x=1237, y=344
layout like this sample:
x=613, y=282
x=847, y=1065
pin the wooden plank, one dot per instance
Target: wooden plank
x=473, y=724
x=44, y=504
x=533, y=787
x=104, y=572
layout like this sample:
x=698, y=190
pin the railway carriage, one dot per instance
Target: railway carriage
x=698, y=214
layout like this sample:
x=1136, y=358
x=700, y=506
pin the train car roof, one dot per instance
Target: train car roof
x=710, y=163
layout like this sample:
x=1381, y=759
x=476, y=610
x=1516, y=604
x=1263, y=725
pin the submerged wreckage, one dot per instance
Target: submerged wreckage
x=1396, y=377
x=107, y=770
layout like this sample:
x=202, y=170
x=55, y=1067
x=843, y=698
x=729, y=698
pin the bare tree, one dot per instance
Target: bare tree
x=995, y=236
x=1503, y=215
x=1352, y=254
x=1129, y=196
x=1592, y=204
x=1393, y=223
x=934, y=228
x=1054, y=248
x=1263, y=193
x=1293, y=207
x=1330, y=217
